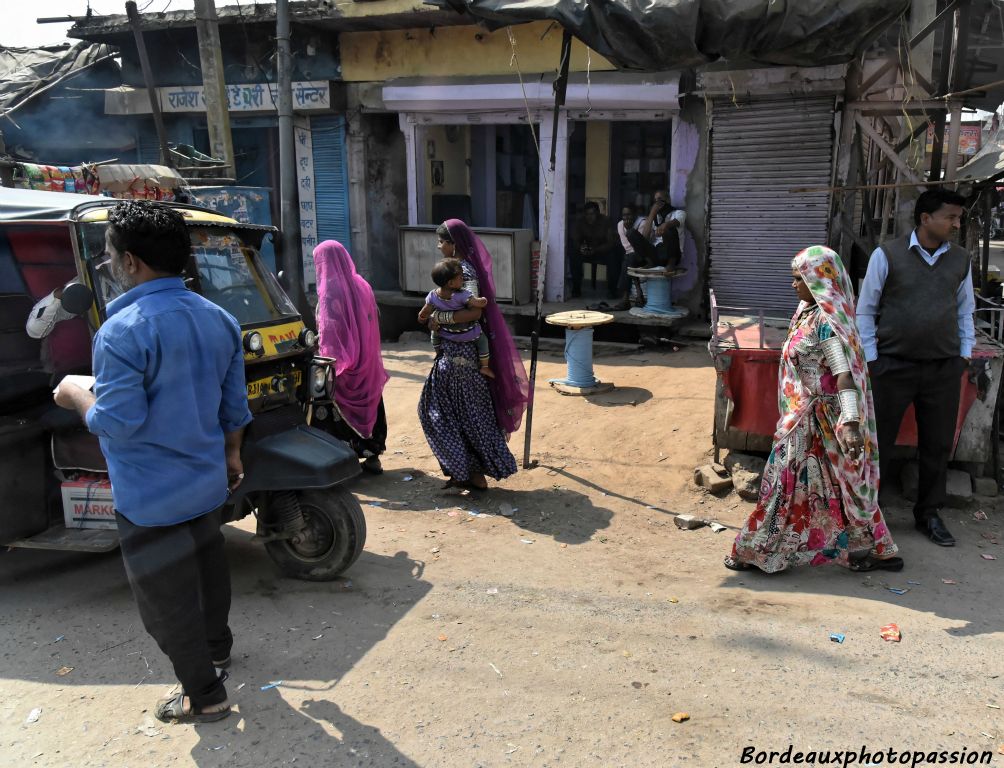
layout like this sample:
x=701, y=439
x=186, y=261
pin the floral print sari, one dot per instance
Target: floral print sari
x=816, y=504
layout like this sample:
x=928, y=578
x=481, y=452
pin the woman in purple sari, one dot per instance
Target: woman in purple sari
x=466, y=417
x=349, y=331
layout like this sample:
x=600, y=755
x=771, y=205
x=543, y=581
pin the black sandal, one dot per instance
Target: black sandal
x=735, y=565
x=173, y=711
x=876, y=564
x=372, y=465
x=600, y=307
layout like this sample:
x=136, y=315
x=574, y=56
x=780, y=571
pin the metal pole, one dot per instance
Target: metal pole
x=144, y=63
x=291, y=254
x=954, y=131
x=214, y=85
x=839, y=239
x=960, y=43
x=987, y=224
x=947, y=54
x=560, y=86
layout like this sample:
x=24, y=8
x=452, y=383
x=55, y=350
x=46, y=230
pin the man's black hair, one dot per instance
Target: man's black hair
x=932, y=200
x=152, y=232
x=594, y=205
x=444, y=233
x=445, y=271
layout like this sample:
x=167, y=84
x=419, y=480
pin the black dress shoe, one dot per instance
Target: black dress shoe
x=936, y=531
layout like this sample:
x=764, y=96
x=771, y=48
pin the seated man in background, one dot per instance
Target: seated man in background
x=664, y=228
x=592, y=240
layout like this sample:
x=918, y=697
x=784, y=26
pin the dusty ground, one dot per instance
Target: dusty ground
x=567, y=635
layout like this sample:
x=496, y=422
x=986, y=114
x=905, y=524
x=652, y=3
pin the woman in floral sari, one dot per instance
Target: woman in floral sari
x=818, y=499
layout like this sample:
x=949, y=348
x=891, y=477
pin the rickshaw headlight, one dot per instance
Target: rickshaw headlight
x=254, y=343
x=319, y=380
x=308, y=338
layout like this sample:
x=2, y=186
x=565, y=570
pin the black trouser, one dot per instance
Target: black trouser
x=631, y=261
x=577, y=260
x=364, y=447
x=181, y=582
x=933, y=386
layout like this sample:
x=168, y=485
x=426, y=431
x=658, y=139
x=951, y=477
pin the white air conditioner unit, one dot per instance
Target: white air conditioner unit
x=510, y=250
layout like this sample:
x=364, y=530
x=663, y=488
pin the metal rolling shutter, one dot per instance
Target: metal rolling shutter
x=760, y=150
x=331, y=179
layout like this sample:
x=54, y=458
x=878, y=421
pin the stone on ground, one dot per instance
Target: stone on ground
x=713, y=477
x=746, y=471
x=959, y=488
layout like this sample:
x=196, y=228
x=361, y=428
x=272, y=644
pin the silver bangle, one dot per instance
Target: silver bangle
x=443, y=317
x=849, y=405
x=833, y=351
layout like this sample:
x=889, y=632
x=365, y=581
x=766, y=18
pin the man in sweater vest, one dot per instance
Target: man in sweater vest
x=915, y=315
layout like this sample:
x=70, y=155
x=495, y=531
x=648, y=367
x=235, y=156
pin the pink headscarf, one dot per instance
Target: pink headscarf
x=350, y=333
x=510, y=387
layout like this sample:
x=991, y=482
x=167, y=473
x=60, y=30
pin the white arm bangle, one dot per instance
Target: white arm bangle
x=849, y=405
x=443, y=317
x=833, y=351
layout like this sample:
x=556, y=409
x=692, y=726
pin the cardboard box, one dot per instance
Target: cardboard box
x=88, y=504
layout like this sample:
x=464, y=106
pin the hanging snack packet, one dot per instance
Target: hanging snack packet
x=69, y=185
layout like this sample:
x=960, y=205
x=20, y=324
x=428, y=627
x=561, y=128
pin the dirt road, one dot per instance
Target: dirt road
x=568, y=634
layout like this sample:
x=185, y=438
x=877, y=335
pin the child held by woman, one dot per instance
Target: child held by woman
x=450, y=296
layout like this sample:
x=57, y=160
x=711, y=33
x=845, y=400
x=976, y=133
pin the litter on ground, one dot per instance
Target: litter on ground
x=891, y=633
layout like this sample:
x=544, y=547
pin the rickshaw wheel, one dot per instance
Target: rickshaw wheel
x=336, y=533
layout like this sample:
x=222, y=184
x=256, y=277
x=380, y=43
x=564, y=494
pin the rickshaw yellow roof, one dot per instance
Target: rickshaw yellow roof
x=191, y=216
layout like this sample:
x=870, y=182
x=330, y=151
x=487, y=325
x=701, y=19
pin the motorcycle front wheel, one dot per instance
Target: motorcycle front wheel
x=332, y=539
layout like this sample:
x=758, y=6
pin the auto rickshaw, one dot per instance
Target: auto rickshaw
x=54, y=491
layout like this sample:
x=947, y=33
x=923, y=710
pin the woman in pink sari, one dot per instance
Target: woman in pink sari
x=349, y=330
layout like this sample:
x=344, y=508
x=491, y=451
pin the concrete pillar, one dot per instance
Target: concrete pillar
x=409, y=129
x=356, y=162
x=554, y=279
x=685, y=147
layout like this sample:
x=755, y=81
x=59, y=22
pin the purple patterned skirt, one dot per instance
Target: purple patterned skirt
x=458, y=417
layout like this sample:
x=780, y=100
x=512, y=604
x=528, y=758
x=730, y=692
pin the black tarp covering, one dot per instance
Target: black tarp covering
x=26, y=71
x=657, y=35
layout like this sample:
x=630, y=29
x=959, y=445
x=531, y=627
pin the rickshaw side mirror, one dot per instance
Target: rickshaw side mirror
x=77, y=298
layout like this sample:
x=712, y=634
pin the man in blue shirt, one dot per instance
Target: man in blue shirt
x=169, y=407
x=915, y=316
